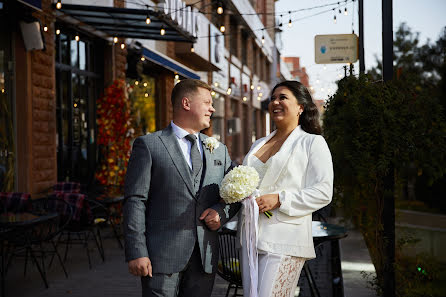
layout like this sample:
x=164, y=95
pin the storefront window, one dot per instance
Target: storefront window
x=7, y=146
x=78, y=86
x=218, y=128
x=142, y=94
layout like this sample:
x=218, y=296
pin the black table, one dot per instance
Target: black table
x=324, y=232
x=111, y=202
x=10, y=225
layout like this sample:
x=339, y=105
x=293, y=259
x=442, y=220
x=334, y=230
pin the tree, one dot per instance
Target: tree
x=371, y=127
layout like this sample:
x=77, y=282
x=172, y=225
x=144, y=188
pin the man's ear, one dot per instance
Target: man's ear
x=185, y=103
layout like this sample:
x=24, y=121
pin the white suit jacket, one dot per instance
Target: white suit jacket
x=301, y=172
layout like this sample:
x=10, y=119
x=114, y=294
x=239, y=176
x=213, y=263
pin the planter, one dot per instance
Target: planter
x=429, y=229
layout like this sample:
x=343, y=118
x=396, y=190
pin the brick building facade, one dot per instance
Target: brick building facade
x=49, y=140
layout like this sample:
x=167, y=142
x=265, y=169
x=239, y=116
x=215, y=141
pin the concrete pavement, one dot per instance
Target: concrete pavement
x=111, y=278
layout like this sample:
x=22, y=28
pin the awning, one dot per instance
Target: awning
x=125, y=22
x=168, y=63
x=36, y=4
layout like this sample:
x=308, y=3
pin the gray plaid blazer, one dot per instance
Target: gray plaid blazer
x=161, y=208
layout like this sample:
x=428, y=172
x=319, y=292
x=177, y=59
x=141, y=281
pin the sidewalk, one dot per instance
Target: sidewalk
x=112, y=279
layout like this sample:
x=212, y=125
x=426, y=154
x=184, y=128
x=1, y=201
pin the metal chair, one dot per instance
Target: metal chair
x=34, y=237
x=15, y=202
x=83, y=224
x=229, y=267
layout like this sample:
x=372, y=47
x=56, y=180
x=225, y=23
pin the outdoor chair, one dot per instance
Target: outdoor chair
x=83, y=225
x=229, y=267
x=14, y=202
x=34, y=239
x=67, y=187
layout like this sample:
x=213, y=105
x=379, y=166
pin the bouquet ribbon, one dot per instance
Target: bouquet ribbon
x=249, y=230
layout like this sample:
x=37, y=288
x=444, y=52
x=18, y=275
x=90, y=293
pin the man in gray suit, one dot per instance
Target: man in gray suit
x=173, y=207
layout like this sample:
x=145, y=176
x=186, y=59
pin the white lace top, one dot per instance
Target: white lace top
x=260, y=167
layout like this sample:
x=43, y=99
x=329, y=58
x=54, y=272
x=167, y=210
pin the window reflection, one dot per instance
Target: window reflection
x=74, y=52
x=82, y=56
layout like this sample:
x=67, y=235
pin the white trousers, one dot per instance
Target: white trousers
x=278, y=275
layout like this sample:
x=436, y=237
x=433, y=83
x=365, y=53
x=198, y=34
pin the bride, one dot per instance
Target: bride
x=296, y=179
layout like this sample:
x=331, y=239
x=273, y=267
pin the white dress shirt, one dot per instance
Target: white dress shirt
x=185, y=144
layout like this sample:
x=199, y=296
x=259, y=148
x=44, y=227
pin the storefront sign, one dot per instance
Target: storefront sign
x=183, y=15
x=337, y=48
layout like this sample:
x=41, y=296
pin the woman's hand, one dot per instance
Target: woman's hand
x=268, y=202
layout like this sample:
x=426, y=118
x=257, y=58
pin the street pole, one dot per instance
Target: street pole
x=388, y=216
x=361, y=37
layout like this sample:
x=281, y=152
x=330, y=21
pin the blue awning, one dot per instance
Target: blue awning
x=166, y=63
x=36, y=4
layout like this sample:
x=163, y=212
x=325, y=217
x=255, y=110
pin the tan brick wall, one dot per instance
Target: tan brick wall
x=43, y=102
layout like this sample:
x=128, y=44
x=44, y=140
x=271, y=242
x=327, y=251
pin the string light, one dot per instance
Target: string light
x=162, y=31
x=145, y=84
x=143, y=59
x=213, y=93
x=177, y=76
x=345, y=11
x=146, y=95
x=136, y=83
x=122, y=46
x=57, y=32
x=220, y=8
x=148, y=21
x=229, y=91
x=192, y=49
x=115, y=39
x=263, y=36
x=290, y=24
x=340, y=11
x=76, y=37
x=260, y=94
x=245, y=99
x=334, y=19
x=45, y=28
x=258, y=88
x=222, y=28
x=252, y=87
x=59, y=4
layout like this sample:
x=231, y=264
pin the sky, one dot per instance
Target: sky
x=427, y=17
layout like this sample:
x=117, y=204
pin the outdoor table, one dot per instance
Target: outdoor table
x=322, y=232
x=114, y=205
x=10, y=224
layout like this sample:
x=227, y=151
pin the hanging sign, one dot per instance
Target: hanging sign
x=337, y=48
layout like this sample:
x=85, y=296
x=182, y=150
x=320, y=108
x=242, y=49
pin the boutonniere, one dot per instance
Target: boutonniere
x=211, y=143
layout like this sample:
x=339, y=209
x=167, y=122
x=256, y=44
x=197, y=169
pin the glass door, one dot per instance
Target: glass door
x=7, y=146
x=77, y=83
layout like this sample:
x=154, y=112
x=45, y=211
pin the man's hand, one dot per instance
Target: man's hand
x=140, y=267
x=268, y=202
x=211, y=218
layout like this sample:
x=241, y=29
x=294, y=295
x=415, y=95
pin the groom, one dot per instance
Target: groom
x=172, y=208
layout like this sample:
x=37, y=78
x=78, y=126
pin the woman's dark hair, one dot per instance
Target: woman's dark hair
x=309, y=119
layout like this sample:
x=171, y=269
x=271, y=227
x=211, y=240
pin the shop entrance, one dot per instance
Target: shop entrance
x=78, y=81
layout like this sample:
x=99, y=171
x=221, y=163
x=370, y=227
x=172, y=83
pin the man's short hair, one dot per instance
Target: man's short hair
x=186, y=87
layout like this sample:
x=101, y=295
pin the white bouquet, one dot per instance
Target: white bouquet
x=240, y=183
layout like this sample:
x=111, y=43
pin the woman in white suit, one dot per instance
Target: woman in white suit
x=296, y=179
